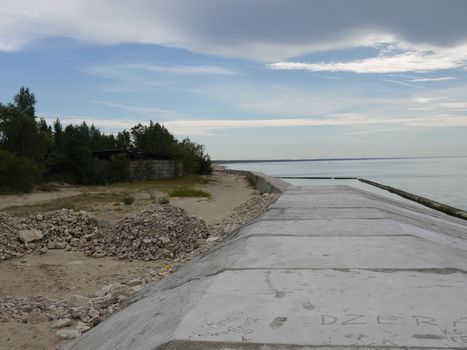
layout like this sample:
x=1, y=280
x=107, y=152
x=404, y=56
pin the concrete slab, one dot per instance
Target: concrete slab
x=325, y=213
x=326, y=308
x=331, y=200
x=326, y=268
x=337, y=227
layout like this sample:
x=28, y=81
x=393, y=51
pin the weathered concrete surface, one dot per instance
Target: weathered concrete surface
x=328, y=268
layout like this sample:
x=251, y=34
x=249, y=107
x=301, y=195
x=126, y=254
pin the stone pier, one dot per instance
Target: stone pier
x=324, y=268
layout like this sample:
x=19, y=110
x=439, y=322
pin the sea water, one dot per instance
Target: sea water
x=440, y=179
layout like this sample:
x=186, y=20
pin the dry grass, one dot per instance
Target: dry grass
x=100, y=199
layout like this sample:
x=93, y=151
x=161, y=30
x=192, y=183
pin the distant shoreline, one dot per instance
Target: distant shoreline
x=320, y=159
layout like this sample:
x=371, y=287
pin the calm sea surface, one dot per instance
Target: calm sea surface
x=440, y=179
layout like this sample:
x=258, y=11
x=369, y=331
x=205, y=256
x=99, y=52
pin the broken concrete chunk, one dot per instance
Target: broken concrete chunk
x=83, y=327
x=27, y=236
x=78, y=300
x=68, y=333
x=65, y=322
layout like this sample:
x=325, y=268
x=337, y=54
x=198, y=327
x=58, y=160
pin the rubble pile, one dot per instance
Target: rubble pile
x=78, y=313
x=59, y=229
x=246, y=212
x=63, y=229
x=31, y=310
x=165, y=232
x=10, y=245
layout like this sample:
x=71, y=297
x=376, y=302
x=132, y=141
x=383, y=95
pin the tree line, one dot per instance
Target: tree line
x=31, y=151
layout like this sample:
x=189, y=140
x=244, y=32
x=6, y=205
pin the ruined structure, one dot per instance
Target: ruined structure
x=144, y=165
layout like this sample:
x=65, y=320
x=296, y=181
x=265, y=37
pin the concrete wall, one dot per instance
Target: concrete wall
x=155, y=169
x=263, y=182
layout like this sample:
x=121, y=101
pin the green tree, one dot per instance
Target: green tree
x=26, y=102
x=19, y=133
x=194, y=158
x=124, y=140
x=153, y=138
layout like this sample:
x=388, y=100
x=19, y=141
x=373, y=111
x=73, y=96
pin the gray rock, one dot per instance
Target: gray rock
x=68, y=333
x=74, y=242
x=83, y=327
x=164, y=239
x=78, y=301
x=27, y=236
x=65, y=322
x=51, y=244
x=103, y=302
x=135, y=282
x=93, y=313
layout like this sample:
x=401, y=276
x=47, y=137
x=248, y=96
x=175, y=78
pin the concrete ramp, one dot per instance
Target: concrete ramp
x=323, y=268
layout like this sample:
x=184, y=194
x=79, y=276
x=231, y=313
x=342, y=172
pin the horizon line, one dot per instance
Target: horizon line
x=218, y=161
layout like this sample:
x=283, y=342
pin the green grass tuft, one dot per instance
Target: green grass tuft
x=188, y=192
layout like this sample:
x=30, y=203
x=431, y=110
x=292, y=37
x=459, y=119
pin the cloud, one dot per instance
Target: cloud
x=372, y=131
x=433, y=79
x=132, y=68
x=151, y=112
x=264, y=30
x=403, y=83
x=207, y=127
x=134, y=76
x=412, y=60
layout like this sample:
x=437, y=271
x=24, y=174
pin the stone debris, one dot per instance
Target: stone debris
x=164, y=232
x=64, y=322
x=31, y=310
x=79, y=313
x=10, y=246
x=68, y=333
x=28, y=236
x=59, y=229
x=246, y=212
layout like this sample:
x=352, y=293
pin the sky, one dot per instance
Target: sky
x=250, y=79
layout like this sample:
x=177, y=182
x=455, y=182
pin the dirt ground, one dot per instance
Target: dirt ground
x=59, y=274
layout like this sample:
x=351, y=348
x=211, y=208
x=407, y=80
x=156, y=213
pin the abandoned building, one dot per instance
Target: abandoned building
x=144, y=165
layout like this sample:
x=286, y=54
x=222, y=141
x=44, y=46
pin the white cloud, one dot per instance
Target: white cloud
x=433, y=79
x=129, y=68
x=412, y=60
x=206, y=127
x=288, y=100
x=403, y=83
x=462, y=106
x=134, y=76
x=371, y=131
x=151, y=112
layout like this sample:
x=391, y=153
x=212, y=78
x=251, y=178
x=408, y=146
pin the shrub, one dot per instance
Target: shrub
x=163, y=200
x=251, y=181
x=18, y=173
